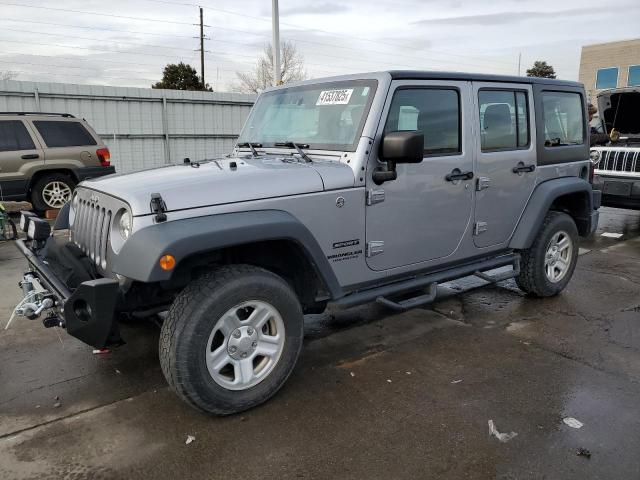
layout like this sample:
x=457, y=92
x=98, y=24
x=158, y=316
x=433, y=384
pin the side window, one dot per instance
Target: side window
x=563, y=119
x=14, y=136
x=504, y=120
x=64, y=134
x=433, y=111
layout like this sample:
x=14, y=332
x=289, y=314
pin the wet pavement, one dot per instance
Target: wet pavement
x=375, y=395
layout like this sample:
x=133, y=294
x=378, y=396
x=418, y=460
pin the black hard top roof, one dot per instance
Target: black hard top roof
x=478, y=77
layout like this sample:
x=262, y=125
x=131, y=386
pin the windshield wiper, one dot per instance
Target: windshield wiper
x=298, y=147
x=252, y=146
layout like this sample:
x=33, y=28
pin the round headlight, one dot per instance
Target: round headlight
x=124, y=225
x=595, y=156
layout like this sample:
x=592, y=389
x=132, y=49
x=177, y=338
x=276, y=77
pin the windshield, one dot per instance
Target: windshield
x=327, y=116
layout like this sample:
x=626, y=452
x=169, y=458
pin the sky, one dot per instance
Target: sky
x=127, y=43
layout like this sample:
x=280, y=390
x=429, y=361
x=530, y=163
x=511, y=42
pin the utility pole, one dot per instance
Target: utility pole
x=519, y=62
x=202, y=48
x=276, y=43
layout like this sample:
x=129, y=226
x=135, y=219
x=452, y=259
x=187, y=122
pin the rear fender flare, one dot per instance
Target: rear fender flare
x=540, y=203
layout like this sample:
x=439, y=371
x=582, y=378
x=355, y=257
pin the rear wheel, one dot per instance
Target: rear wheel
x=547, y=266
x=52, y=192
x=231, y=339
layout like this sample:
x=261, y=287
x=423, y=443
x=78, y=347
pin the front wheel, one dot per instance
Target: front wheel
x=231, y=339
x=547, y=266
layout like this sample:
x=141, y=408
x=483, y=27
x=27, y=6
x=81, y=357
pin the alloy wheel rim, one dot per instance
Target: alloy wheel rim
x=245, y=345
x=557, y=259
x=56, y=194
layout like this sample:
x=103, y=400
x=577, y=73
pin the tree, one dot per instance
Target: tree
x=181, y=77
x=291, y=69
x=541, y=69
x=8, y=75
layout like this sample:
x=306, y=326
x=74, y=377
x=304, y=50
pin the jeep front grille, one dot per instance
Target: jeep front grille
x=91, y=230
x=619, y=160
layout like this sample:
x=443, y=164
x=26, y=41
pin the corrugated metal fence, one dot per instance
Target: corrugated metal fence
x=142, y=127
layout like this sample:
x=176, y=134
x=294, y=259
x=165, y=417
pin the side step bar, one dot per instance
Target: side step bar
x=428, y=297
x=381, y=294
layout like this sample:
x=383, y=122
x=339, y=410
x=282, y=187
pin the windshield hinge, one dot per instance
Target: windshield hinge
x=479, y=227
x=158, y=207
x=374, y=247
x=375, y=196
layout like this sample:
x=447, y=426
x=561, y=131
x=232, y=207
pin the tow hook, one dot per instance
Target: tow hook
x=36, y=298
x=32, y=310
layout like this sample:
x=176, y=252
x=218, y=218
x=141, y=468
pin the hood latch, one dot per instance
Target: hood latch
x=158, y=207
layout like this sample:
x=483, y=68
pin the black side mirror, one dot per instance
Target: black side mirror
x=403, y=147
x=398, y=147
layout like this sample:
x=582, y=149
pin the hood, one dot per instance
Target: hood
x=620, y=109
x=227, y=180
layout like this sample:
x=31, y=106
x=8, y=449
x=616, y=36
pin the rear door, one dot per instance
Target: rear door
x=506, y=167
x=68, y=144
x=20, y=154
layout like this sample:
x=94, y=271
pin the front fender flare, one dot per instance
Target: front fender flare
x=140, y=255
x=539, y=204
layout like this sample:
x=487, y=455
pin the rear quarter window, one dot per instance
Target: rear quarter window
x=563, y=119
x=64, y=134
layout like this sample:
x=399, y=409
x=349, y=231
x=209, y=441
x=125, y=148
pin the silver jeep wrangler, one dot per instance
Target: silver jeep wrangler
x=342, y=191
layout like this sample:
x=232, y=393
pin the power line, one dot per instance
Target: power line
x=97, y=28
x=75, y=47
x=334, y=34
x=101, y=40
x=112, y=15
x=351, y=59
x=297, y=27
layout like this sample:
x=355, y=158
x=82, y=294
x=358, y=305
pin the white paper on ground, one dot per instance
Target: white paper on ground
x=503, y=437
x=572, y=422
x=611, y=234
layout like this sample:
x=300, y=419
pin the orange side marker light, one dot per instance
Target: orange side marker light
x=167, y=262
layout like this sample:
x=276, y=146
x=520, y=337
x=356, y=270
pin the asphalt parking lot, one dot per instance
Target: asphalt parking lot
x=375, y=395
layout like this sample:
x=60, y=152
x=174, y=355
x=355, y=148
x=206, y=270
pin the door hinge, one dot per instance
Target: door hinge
x=375, y=247
x=375, y=196
x=482, y=183
x=479, y=227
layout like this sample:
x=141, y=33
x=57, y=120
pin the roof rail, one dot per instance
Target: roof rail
x=65, y=115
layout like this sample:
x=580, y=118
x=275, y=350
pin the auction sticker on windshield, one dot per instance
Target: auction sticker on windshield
x=335, y=97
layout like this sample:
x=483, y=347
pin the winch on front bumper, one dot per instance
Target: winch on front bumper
x=87, y=312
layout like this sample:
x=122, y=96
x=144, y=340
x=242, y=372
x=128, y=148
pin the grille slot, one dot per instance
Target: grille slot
x=620, y=161
x=90, y=230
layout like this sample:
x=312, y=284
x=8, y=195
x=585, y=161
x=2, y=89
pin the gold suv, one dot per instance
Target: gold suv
x=43, y=156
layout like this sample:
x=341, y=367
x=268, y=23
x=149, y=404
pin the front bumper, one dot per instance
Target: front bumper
x=619, y=191
x=87, y=312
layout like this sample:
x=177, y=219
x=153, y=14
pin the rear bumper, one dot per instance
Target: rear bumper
x=88, y=312
x=85, y=173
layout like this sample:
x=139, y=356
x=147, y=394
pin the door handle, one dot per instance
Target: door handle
x=456, y=174
x=522, y=168
x=30, y=156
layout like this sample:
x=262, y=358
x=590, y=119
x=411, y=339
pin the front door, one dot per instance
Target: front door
x=506, y=160
x=421, y=215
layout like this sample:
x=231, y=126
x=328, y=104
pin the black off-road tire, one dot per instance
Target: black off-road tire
x=532, y=278
x=192, y=317
x=37, y=200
